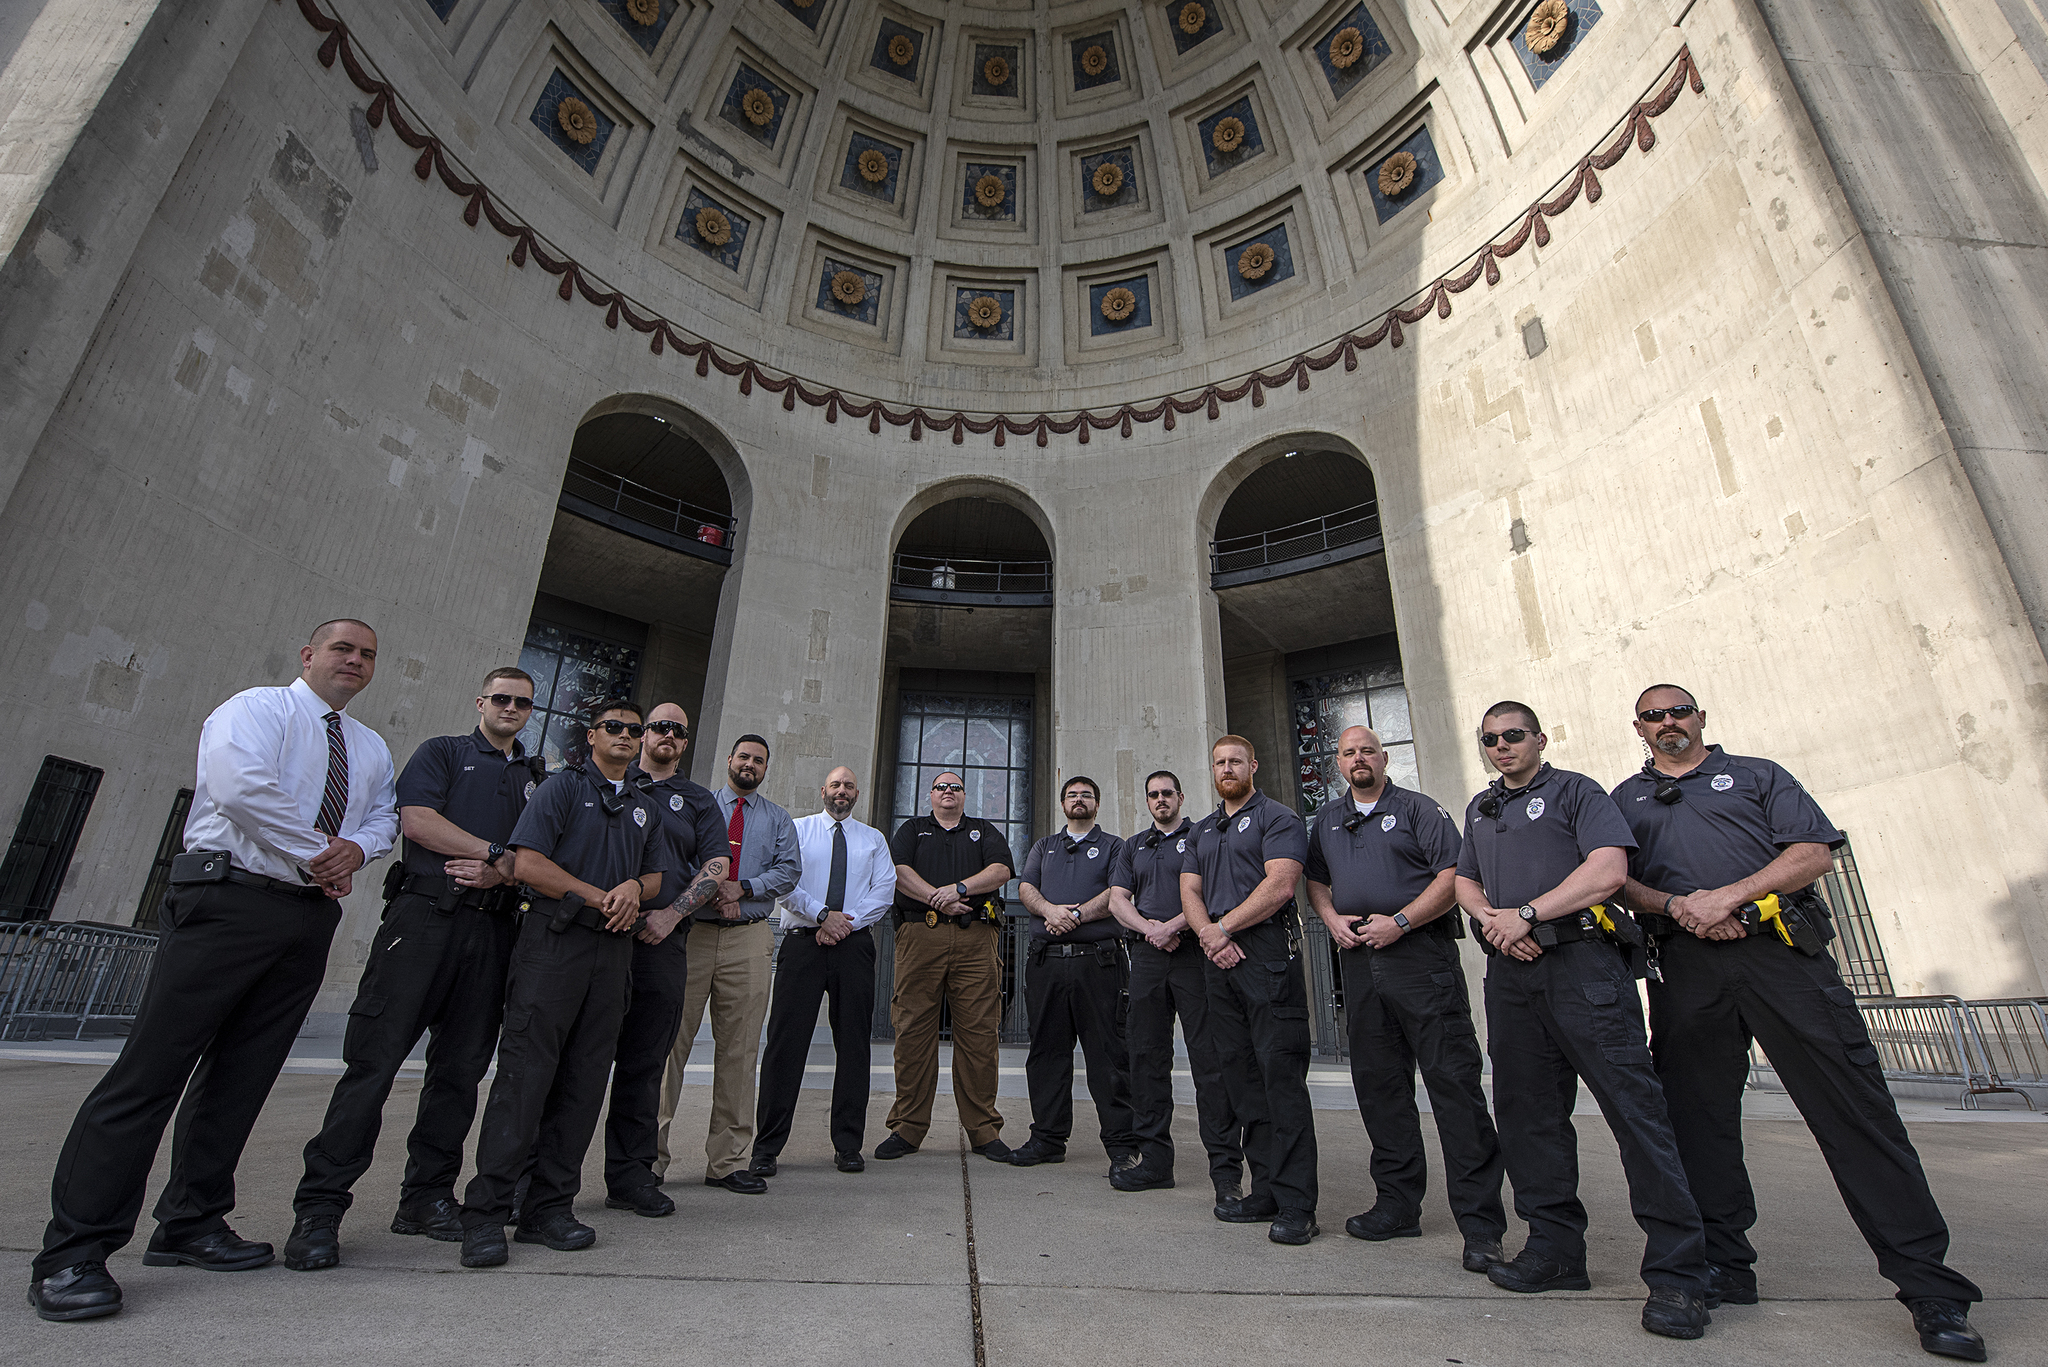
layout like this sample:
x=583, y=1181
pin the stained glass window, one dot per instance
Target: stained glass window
x=1325, y=704
x=571, y=674
x=987, y=741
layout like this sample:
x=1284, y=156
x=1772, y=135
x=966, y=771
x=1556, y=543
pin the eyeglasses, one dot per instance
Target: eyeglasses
x=509, y=700
x=615, y=726
x=670, y=728
x=1160, y=794
x=1656, y=714
x=1489, y=739
x=949, y=787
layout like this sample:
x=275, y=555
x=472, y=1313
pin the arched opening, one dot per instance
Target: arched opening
x=628, y=601
x=1305, y=622
x=967, y=679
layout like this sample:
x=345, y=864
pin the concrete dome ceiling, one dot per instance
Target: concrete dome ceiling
x=1007, y=207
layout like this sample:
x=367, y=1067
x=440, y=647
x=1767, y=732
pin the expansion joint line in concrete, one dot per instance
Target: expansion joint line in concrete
x=973, y=1258
x=1633, y=129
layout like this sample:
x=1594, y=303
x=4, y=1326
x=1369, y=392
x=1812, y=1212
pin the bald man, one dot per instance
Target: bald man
x=848, y=882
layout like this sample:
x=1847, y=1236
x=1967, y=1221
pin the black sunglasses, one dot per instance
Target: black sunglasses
x=949, y=787
x=677, y=729
x=614, y=726
x=509, y=700
x=1489, y=739
x=1656, y=714
x=1158, y=793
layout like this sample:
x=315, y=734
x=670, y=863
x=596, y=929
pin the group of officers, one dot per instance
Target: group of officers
x=537, y=918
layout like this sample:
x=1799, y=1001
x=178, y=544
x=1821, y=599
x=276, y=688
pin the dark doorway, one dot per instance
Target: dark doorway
x=45, y=838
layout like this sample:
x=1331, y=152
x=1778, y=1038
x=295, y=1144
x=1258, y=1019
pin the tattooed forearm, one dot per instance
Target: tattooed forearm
x=700, y=892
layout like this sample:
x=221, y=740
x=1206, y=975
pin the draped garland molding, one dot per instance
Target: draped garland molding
x=577, y=280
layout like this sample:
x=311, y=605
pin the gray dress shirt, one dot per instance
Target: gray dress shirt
x=769, y=865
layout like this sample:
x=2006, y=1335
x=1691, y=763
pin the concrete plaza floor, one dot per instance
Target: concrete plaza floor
x=949, y=1259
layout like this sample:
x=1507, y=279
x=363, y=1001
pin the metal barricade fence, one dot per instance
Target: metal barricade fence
x=2012, y=1033
x=58, y=973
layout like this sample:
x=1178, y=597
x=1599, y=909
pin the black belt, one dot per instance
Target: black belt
x=1098, y=948
x=550, y=909
x=813, y=930
x=308, y=891
x=447, y=894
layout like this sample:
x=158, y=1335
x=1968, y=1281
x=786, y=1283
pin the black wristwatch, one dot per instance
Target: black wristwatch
x=1528, y=914
x=746, y=888
x=494, y=853
x=961, y=890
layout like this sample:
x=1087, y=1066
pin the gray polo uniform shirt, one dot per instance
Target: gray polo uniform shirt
x=1068, y=872
x=1230, y=853
x=568, y=822
x=1148, y=868
x=1378, y=865
x=1542, y=833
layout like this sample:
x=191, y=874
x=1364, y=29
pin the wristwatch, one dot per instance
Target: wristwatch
x=1401, y=919
x=961, y=889
x=494, y=853
x=746, y=887
x=1528, y=914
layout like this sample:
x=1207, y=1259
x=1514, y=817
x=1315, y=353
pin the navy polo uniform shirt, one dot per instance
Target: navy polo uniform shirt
x=691, y=829
x=469, y=781
x=567, y=822
x=1543, y=832
x=942, y=857
x=1148, y=868
x=1230, y=853
x=1385, y=861
x=1737, y=814
x=1068, y=872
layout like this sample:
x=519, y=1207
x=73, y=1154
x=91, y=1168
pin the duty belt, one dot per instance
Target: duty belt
x=1102, y=949
x=448, y=895
x=564, y=912
x=1788, y=920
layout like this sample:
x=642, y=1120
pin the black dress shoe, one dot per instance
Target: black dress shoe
x=82, y=1291
x=1294, y=1227
x=1531, y=1272
x=996, y=1151
x=483, y=1246
x=850, y=1161
x=1121, y=1159
x=440, y=1219
x=1141, y=1176
x=1032, y=1152
x=1945, y=1328
x=739, y=1180
x=315, y=1243
x=1676, y=1313
x=895, y=1146
x=1381, y=1223
x=1725, y=1286
x=763, y=1165
x=1480, y=1252
x=560, y=1231
x=220, y=1251
x=1247, y=1210
x=649, y=1200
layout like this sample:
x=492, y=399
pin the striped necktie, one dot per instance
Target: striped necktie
x=334, y=798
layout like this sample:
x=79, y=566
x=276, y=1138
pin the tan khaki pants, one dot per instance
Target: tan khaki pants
x=730, y=968
x=955, y=965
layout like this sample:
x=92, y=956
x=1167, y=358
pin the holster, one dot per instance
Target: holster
x=569, y=911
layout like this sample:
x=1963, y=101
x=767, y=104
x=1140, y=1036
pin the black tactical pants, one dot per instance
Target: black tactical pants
x=430, y=973
x=660, y=974
x=1069, y=998
x=806, y=974
x=1162, y=986
x=1571, y=1016
x=1258, y=1025
x=565, y=996
x=1716, y=996
x=236, y=969
x=1403, y=1006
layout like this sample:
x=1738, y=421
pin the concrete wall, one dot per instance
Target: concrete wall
x=315, y=391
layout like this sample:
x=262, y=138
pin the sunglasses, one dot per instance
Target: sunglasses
x=1489, y=739
x=670, y=728
x=615, y=726
x=1656, y=714
x=1159, y=794
x=509, y=700
x=949, y=787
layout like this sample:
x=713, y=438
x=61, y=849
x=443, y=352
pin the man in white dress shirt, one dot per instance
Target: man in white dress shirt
x=292, y=796
x=848, y=882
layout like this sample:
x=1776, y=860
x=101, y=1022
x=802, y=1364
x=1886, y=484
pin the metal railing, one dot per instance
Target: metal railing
x=1980, y=1048
x=2013, y=1034
x=1238, y=555
x=66, y=973
x=616, y=494
x=955, y=579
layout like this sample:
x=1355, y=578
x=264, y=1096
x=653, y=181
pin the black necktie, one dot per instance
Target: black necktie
x=835, y=885
x=334, y=796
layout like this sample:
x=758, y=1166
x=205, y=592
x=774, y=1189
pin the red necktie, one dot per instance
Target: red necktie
x=734, y=830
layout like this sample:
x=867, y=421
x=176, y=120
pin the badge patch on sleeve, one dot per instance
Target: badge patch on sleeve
x=1386, y=823
x=1722, y=782
x=530, y=786
x=640, y=817
x=1535, y=808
